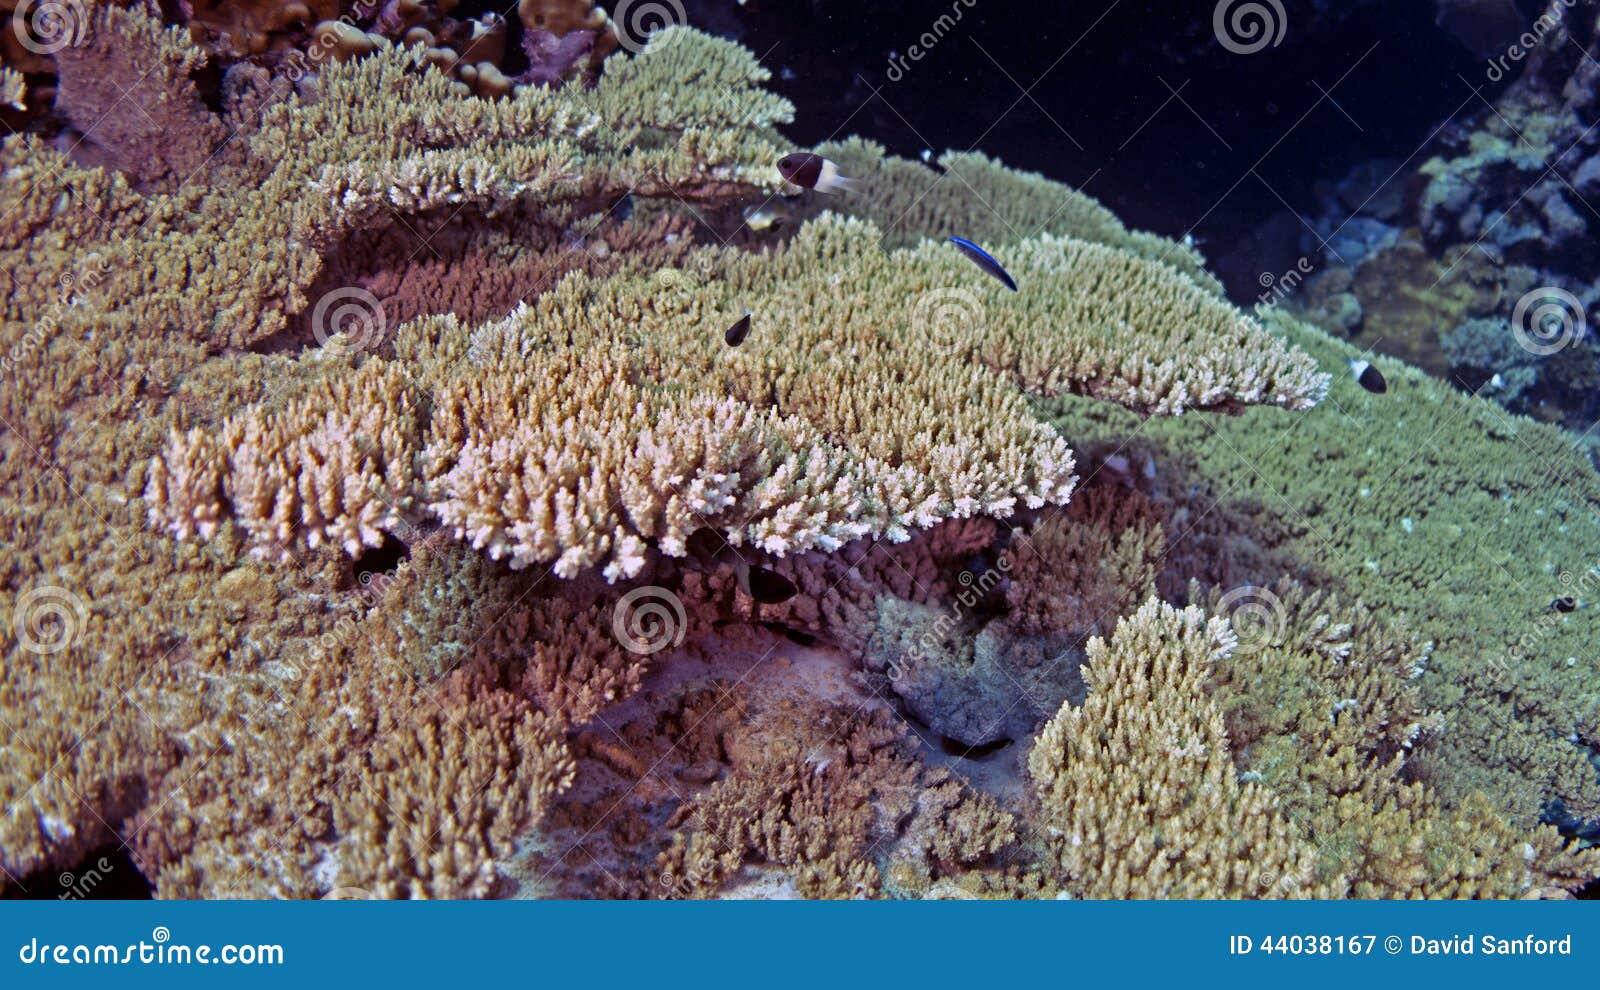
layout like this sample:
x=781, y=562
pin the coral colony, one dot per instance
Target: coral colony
x=407, y=495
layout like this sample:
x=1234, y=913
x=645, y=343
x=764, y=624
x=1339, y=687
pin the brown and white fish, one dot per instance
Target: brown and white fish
x=810, y=171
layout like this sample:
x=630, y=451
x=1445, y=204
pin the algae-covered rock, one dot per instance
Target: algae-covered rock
x=973, y=690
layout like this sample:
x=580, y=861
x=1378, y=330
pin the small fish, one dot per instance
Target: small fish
x=1565, y=603
x=931, y=162
x=739, y=331
x=810, y=171
x=622, y=209
x=766, y=216
x=1368, y=377
x=767, y=587
x=984, y=260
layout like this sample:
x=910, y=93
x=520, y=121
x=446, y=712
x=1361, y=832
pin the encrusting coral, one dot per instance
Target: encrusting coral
x=252, y=712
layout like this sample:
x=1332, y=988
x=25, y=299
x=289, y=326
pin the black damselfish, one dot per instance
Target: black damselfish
x=738, y=332
x=1368, y=377
x=767, y=587
x=810, y=171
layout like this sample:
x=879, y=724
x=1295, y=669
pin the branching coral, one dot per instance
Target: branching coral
x=263, y=728
x=1323, y=708
x=818, y=796
x=1138, y=788
x=1083, y=569
x=1139, y=791
x=228, y=260
x=280, y=723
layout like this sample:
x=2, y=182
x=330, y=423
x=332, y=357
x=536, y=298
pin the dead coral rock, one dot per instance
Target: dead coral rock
x=974, y=691
x=818, y=794
x=238, y=28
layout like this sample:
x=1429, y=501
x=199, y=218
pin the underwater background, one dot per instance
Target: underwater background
x=701, y=448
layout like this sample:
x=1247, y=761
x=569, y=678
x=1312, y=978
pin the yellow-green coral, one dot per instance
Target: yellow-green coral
x=979, y=198
x=1449, y=514
x=1138, y=790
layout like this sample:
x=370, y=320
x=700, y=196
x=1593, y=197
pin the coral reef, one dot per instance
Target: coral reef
x=382, y=488
x=1477, y=258
x=523, y=460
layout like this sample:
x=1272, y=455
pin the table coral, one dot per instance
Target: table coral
x=214, y=705
x=615, y=396
x=979, y=198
